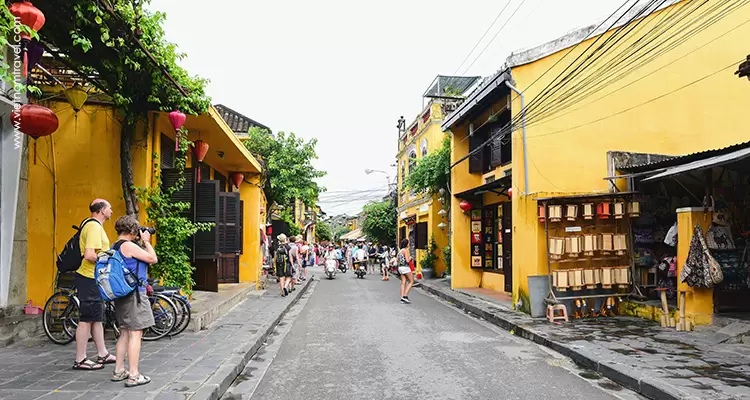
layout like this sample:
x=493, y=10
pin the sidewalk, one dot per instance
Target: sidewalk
x=194, y=365
x=659, y=363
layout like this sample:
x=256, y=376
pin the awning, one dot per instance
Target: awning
x=498, y=186
x=705, y=163
x=353, y=235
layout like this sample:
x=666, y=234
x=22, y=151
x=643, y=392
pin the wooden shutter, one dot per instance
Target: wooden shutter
x=169, y=177
x=229, y=224
x=475, y=161
x=496, y=157
x=207, y=210
x=421, y=235
x=242, y=228
x=205, y=172
x=222, y=181
x=167, y=153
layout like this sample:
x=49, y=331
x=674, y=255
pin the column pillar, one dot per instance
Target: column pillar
x=699, y=303
x=251, y=259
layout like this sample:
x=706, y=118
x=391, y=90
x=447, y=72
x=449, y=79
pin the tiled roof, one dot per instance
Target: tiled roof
x=238, y=122
x=677, y=160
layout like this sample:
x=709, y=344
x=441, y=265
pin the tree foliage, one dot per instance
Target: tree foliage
x=380, y=222
x=432, y=171
x=289, y=173
x=341, y=231
x=323, y=232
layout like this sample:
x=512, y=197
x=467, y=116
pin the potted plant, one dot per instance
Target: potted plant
x=447, y=258
x=428, y=261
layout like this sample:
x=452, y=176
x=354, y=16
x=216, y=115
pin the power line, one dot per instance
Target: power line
x=481, y=38
x=494, y=37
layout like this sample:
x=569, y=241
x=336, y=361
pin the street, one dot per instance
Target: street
x=353, y=339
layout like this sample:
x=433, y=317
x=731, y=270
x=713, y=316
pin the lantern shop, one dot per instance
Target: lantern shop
x=690, y=243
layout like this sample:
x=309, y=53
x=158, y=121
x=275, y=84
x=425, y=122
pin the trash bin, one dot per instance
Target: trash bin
x=538, y=291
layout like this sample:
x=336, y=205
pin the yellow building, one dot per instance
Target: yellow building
x=680, y=98
x=81, y=161
x=419, y=216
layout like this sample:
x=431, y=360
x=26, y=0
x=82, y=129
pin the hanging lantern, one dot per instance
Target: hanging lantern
x=620, y=244
x=607, y=277
x=619, y=210
x=573, y=246
x=510, y=192
x=588, y=210
x=541, y=213
x=560, y=280
x=606, y=244
x=571, y=212
x=237, y=179
x=555, y=213
x=177, y=119
x=442, y=212
x=35, y=121
x=442, y=225
x=603, y=210
x=634, y=209
x=31, y=17
x=76, y=97
x=556, y=248
x=575, y=279
x=200, y=149
x=590, y=244
x=465, y=206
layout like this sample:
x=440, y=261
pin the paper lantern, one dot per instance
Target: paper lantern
x=588, y=210
x=571, y=212
x=200, y=149
x=603, y=210
x=510, y=192
x=177, y=118
x=541, y=213
x=606, y=244
x=555, y=213
x=620, y=244
x=590, y=245
x=575, y=278
x=634, y=209
x=442, y=212
x=556, y=247
x=607, y=277
x=619, y=210
x=76, y=97
x=591, y=277
x=621, y=276
x=465, y=206
x=31, y=17
x=573, y=246
x=442, y=225
x=237, y=179
x=35, y=121
x=560, y=280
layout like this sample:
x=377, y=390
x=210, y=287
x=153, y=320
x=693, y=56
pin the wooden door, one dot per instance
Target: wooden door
x=229, y=237
x=206, y=243
x=507, y=235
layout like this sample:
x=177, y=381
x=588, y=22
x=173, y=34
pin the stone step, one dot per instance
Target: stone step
x=19, y=327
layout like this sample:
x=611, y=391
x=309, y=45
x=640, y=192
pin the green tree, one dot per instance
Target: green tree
x=432, y=171
x=288, y=173
x=380, y=222
x=323, y=232
x=341, y=231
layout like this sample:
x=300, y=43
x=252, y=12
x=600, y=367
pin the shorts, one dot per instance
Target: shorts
x=304, y=264
x=404, y=270
x=285, y=272
x=133, y=316
x=92, y=306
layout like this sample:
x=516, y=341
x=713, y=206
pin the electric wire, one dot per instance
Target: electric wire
x=483, y=36
x=494, y=37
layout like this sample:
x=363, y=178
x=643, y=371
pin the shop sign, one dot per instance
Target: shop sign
x=573, y=229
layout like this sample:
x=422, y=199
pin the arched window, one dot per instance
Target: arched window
x=412, y=160
x=403, y=173
x=424, y=147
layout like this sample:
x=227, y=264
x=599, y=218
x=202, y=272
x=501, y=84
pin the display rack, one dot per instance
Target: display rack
x=613, y=224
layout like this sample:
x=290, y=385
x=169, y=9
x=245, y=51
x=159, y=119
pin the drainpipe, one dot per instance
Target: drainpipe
x=523, y=130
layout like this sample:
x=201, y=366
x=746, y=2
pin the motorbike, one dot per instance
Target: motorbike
x=331, y=268
x=342, y=266
x=360, y=269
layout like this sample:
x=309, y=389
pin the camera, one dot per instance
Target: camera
x=148, y=229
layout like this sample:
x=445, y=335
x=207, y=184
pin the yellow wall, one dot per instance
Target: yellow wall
x=251, y=258
x=699, y=303
x=706, y=115
x=87, y=151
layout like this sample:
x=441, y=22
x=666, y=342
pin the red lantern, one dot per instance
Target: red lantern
x=269, y=230
x=465, y=206
x=237, y=179
x=510, y=192
x=35, y=121
x=177, y=119
x=31, y=17
x=541, y=213
x=200, y=149
x=603, y=211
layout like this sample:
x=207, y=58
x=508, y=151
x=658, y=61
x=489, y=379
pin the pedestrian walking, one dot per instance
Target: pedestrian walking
x=91, y=312
x=294, y=250
x=133, y=311
x=404, y=259
x=372, y=253
x=304, y=260
x=348, y=253
x=283, y=264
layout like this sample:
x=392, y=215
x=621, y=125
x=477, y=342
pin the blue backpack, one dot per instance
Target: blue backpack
x=112, y=276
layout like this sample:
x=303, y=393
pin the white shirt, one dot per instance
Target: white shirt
x=360, y=254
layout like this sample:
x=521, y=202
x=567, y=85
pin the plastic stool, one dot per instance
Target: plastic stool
x=551, y=309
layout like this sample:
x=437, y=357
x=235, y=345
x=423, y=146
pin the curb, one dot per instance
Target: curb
x=625, y=376
x=205, y=318
x=219, y=382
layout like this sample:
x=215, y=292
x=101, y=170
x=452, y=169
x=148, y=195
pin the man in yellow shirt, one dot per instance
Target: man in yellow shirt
x=93, y=240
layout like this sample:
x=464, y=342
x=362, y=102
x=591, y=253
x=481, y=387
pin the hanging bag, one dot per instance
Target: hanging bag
x=714, y=268
x=701, y=270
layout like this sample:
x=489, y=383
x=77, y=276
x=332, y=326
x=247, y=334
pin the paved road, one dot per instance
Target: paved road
x=352, y=339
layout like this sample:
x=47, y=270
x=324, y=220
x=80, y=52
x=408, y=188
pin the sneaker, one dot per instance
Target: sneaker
x=286, y=292
x=406, y=300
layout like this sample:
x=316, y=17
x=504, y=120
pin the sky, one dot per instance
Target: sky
x=344, y=71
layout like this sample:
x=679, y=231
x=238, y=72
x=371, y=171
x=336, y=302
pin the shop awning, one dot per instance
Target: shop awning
x=498, y=186
x=697, y=165
x=353, y=235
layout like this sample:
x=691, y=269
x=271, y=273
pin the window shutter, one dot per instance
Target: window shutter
x=496, y=157
x=241, y=248
x=169, y=177
x=205, y=172
x=222, y=181
x=167, y=153
x=229, y=214
x=475, y=161
x=421, y=235
x=207, y=210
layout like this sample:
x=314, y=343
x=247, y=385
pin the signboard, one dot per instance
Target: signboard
x=573, y=229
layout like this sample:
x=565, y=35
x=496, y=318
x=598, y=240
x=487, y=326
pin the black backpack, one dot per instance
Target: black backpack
x=70, y=258
x=282, y=257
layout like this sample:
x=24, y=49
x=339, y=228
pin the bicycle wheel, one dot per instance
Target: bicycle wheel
x=165, y=317
x=57, y=312
x=183, y=313
x=111, y=318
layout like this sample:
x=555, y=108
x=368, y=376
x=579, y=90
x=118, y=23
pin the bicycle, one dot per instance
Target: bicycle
x=182, y=304
x=165, y=317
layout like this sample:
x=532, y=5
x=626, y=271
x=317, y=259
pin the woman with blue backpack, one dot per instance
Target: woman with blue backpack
x=133, y=311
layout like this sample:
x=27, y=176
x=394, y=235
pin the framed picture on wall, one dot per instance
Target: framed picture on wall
x=476, y=215
x=476, y=250
x=476, y=262
x=476, y=226
x=476, y=238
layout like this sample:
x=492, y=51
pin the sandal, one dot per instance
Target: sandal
x=119, y=376
x=106, y=359
x=137, y=381
x=87, y=365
